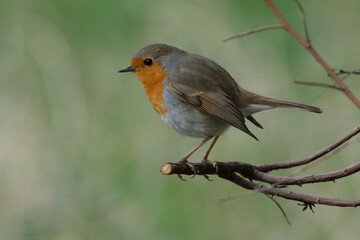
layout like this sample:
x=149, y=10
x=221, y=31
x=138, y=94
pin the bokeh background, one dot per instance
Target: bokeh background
x=81, y=146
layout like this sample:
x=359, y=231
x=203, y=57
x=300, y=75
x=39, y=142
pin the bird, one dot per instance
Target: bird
x=196, y=96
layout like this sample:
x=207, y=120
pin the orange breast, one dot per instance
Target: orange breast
x=151, y=78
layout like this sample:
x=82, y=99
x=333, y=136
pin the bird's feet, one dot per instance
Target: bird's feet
x=214, y=164
x=194, y=169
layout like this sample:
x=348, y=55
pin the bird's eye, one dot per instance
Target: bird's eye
x=148, y=62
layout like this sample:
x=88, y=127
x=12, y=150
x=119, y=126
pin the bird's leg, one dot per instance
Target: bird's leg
x=205, y=158
x=185, y=159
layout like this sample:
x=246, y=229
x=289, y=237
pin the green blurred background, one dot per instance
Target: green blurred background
x=81, y=146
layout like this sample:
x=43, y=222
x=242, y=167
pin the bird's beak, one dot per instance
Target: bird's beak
x=127, y=69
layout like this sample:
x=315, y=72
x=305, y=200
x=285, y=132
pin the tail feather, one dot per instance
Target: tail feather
x=253, y=120
x=250, y=103
x=285, y=104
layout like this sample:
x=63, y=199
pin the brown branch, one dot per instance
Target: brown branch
x=325, y=157
x=305, y=43
x=202, y=168
x=324, y=177
x=291, y=180
x=312, y=51
x=228, y=170
x=344, y=74
x=288, y=195
x=280, y=165
x=252, y=172
x=253, y=31
x=318, y=84
x=303, y=21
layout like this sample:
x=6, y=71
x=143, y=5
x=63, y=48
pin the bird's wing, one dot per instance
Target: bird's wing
x=214, y=103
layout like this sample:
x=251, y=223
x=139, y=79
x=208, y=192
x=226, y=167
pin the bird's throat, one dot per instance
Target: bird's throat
x=152, y=81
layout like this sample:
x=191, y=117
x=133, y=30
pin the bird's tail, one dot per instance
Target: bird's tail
x=285, y=104
x=251, y=103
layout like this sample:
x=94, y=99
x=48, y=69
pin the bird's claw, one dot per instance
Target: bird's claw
x=207, y=178
x=214, y=164
x=194, y=169
x=181, y=178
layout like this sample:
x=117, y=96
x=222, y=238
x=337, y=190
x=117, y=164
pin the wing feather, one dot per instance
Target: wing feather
x=216, y=104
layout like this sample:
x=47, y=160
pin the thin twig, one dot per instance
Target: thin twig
x=253, y=31
x=348, y=72
x=318, y=84
x=280, y=165
x=303, y=21
x=288, y=195
x=346, y=75
x=324, y=177
x=279, y=206
x=312, y=51
x=324, y=157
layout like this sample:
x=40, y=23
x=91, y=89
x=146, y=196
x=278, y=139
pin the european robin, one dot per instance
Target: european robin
x=196, y=96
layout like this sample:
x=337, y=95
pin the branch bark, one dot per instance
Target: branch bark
x=324, y=177
x=228, y=170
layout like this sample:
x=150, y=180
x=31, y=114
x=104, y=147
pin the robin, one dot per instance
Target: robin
x=196, y=96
